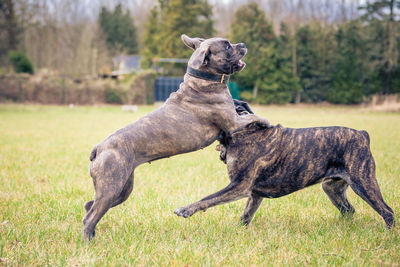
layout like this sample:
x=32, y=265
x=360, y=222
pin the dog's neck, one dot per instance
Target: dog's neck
x=220, y=78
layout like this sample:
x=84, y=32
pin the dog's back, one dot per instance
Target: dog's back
x=276, y=161
x=286, y=159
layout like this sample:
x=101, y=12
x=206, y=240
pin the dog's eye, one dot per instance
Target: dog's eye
x=228, y=46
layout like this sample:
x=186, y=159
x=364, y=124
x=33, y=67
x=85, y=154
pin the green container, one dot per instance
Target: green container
x=234, y=89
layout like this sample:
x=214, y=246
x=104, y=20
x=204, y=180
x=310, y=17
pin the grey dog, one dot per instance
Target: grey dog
x=189, y=120
x=276, y=161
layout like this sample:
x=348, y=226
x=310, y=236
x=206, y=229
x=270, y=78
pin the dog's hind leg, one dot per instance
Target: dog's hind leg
x=252, y=205
x=336, y=189
x=101, y=204
x=365, y=185
x=126, y=191
x=121, y=198
x=88, y=205
x=112, y=185
x=95, y=209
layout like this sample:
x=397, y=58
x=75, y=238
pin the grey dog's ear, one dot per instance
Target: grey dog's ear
x=200, y=57
x=193, y=43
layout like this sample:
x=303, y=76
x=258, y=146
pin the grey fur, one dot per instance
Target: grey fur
x=189, y=120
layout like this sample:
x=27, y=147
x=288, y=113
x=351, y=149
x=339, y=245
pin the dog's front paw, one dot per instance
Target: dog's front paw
x=245, y=220
x=184, y=212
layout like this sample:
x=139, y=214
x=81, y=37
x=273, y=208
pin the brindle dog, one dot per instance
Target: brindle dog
x=276, y=161
x=189, y=120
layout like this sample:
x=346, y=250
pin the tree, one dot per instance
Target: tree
x=347, y=78
x=381, y=16
x=119, y=30
x=9, y=28
x=251, y=27
x=181, y=16
x=7, y=9
x=315, y=52
x=287, y=64
x=151, y=38
x=269, y=69
x=57, y=35
x=168, y=21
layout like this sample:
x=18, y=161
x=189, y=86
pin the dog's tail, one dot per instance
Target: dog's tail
x=93, y=153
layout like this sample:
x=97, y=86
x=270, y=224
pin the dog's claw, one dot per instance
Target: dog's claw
x=183, y=212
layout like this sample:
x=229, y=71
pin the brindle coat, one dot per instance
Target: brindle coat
x=189, y=120
x=276, y=161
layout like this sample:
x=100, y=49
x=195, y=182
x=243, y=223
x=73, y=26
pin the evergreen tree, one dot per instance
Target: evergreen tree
x=381, y=16
x=20, y=62
x=290, y=82
x=166, y=24
x=315, y=53
x=119, y=30
x=269, y=65
x=277, y=85
x=347, y=78
x=251, y=27
x=396, y=75
x=182, y=16
x=341, y=63
x=151, y=40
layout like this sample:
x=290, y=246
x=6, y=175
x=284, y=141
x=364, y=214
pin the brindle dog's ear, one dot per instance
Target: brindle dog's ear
x=193, y=43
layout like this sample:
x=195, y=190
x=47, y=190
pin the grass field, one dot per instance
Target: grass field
x=44, y=182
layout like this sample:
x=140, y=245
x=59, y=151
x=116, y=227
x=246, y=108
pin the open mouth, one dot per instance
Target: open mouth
x=238, y=66
x=241, y=64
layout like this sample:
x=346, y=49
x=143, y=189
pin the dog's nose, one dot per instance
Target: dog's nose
x=242, y=45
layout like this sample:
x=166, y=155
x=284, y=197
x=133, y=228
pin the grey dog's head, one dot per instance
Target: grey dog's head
x=215, y=55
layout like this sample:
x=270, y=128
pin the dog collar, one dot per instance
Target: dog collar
x=207, y=75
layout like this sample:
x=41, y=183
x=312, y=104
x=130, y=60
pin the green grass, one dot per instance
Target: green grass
x=44, y=183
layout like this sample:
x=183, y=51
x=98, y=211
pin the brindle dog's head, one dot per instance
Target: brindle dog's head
x=215, y=55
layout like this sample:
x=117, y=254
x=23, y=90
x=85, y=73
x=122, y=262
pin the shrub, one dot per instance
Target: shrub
x=114, y=96
x=246, y=96
x=20, y=62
